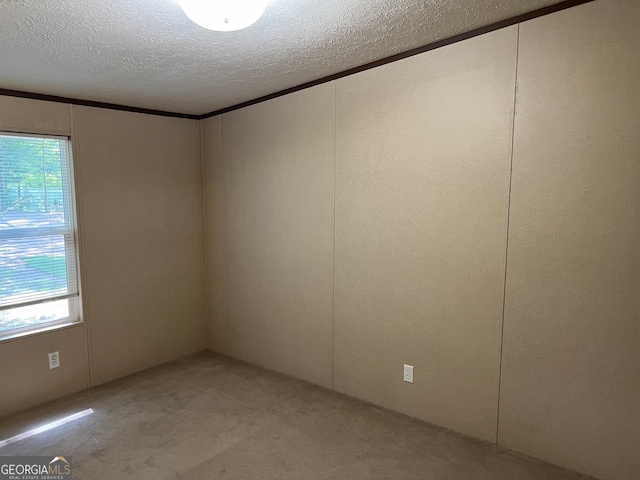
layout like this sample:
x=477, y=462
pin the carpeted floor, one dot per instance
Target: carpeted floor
x=210, y=417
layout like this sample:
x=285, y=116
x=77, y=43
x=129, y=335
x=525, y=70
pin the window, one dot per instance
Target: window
x=38, y=274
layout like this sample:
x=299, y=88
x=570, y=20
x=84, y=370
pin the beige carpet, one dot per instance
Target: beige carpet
x=210, y=417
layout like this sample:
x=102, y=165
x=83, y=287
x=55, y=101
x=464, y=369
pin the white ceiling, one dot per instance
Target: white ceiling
x=147, y=54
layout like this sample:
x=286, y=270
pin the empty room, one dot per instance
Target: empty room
x=320, y=239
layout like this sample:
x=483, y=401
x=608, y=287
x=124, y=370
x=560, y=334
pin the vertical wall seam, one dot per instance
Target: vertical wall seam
x=333, y=267
x=223, y=320
x=506, y=254
x=81, y=255
x=205, y=259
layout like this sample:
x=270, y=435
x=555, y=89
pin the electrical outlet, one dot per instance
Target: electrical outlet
x=408, y=373
x=54, y=360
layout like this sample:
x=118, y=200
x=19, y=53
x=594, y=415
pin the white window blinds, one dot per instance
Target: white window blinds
x=37, y=239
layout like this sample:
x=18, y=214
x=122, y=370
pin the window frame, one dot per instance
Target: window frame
x=72, y=256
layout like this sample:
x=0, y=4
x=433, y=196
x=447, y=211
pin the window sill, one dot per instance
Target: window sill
x=9, y=336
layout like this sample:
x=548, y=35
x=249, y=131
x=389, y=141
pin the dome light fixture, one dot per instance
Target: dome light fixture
x=223, y=15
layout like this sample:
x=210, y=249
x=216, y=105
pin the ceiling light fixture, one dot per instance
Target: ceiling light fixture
x=224, y=15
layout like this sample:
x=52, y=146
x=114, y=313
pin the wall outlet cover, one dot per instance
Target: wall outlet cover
x=54, y=360
x=408, y=373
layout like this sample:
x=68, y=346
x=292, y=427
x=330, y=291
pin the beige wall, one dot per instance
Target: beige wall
x=422, y=172
x=24, y=368
x=138, y=180
x=276, y=166
x=422, y=187
x=571, y=369
x=32, y=116
x=422, y=157
x=140, y=212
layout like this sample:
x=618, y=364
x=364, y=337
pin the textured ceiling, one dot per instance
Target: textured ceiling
x=147, y=54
